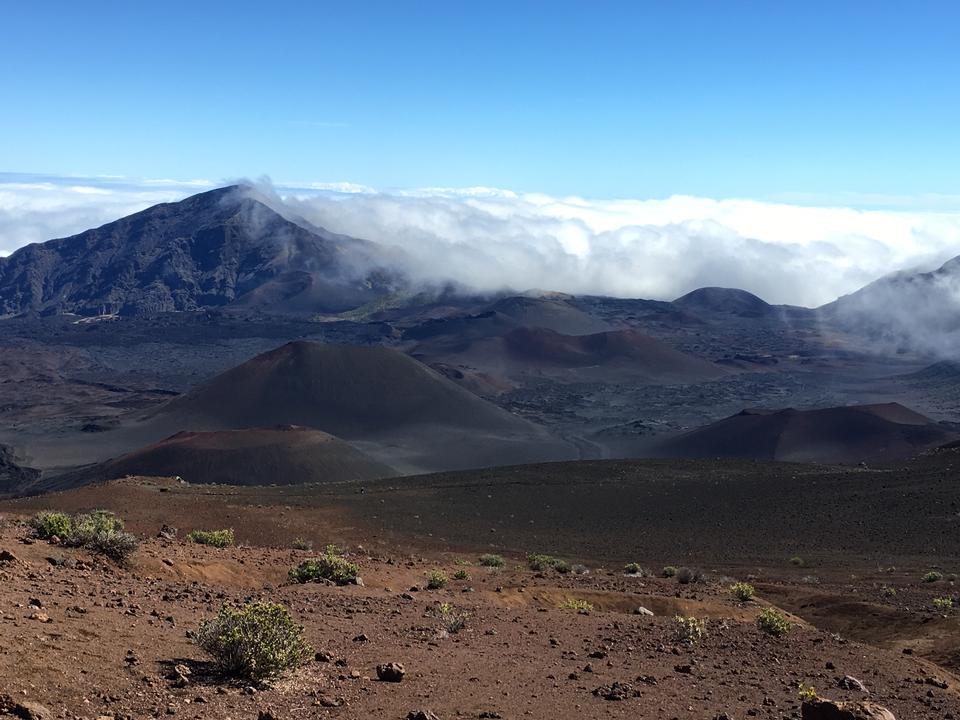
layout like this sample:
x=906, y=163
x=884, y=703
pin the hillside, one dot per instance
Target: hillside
x=871, y=433
x=412, y=415
x=207, y=251
x=284, y=455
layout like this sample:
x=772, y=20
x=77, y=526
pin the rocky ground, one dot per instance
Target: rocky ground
x=86, y=638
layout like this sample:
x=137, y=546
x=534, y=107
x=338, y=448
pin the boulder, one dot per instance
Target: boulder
x=823, y=709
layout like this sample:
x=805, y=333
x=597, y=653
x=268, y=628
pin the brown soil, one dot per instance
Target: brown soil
x=520, y=655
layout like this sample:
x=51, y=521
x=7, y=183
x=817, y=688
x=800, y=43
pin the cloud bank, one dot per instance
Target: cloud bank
x=491, y=239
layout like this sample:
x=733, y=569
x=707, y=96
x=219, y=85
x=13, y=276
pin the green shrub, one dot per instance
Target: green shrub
x=943, y=604
x=436, y=580
x=99, y=531
x=213, y=538
x=300, y=543
x=116, y=545
x=806, y=693
x=490, y=560
x=932, y=577
x=689, y=629
x=461, y=574
x=773, y=622
x=46, y=524
x=669, y=571
x=256, y=642
x=539, y=562
x=574, y=604
x=330, y=566
x=634, y=569
x=742, y=591
x=797, y=561
x=88, y=526
x=888, y=592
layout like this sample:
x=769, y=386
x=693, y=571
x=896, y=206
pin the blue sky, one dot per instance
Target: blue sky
x=769, y=100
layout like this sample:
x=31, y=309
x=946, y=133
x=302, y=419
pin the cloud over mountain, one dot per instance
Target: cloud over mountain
x=492, y=239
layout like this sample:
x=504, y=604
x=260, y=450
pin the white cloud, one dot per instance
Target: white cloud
x=492, y=239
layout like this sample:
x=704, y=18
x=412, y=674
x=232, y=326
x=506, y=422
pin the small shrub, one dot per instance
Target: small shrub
x=943, y=604
x=685, y=576
x=538, y=561
x=454, y=622
x=213, y=538
x=633, y=569
x=888, y=592
x=689, y=629
x=330, y=566
x=99, y=531
x=88, y=526
x=742, y=591
x=773, y=622
x=562, y=566
x=256, y=642
x=806, y=693
x=669, y=571
x=461, y=574
x=574, y=604
x=462, y=562
x=436, y=580
x=797, y=561
x=301, y=544
x=932, y=577
x=492, y=561
x=46, y=524
x=119, y=546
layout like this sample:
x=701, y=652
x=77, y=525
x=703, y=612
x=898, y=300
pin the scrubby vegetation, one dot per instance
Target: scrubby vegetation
x=669, y=571
x=574, y=604
x=932, y=577
x=256, y=642
x=461, y=574
x=773, y=622
x=686, y=575
x=943, y=604
x=806, y=693
x=301, y=544
x=689, y=629
x=213, y=538
x=47, y=525
x=742, y=591
x=797, y=561
x=492, y=561
x=331, y=566
x=540, y=562
x=98, y=531
x=634, y=569
x=453, y=621
x=436, y=580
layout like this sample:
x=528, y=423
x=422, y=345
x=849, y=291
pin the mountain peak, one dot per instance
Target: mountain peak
x=212, y=249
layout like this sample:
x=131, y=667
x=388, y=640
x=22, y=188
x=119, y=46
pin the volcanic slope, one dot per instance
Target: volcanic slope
x=522, y=352
x=389, y=405
x=217, y=248
x=874, y=433
x=282, y=455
